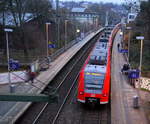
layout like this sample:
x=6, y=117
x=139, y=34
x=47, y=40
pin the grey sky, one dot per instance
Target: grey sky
x=113, y=1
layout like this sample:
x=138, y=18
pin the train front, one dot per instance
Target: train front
x=91, y=82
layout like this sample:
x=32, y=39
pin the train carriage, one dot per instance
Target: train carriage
x=94, y=79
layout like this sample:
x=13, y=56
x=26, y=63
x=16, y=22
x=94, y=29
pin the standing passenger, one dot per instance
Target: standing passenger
x=118, y=45
x=32, y=76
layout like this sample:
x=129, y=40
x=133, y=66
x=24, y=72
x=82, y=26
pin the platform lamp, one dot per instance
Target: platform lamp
x=47, y=25
x=7, y=30
x=129, y=29
x=141, y=38
x=66, y=22
x=121, y=35
x=77, y=31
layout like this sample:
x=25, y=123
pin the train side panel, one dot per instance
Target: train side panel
x=80, y=95
x=106, y=90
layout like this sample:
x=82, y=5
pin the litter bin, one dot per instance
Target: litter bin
x=135, y=102
x=12, y=89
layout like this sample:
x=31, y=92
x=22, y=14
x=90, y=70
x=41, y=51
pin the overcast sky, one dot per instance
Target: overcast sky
x=113, y=1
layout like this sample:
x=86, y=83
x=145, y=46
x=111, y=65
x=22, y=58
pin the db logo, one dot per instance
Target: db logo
x=92, y=95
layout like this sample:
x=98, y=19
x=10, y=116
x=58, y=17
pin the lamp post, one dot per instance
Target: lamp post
x=47, y=24
x=141, y=38
x=66, y=21
x=129, y=28
x=123, y=29
x=93, y=23
x=121, y=33
x=9, y=76
x=121, y=36
x=96, y=23
x=77, y=31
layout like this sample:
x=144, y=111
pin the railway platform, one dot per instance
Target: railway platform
x=10, y=111
x=122, y=93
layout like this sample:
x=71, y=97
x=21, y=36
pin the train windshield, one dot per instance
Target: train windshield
x=93, y=82
x=97, y=60
x=103, y=40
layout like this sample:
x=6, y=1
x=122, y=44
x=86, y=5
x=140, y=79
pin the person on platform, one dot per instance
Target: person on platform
x=125, y=67
x=30, y=75
x=118, y=46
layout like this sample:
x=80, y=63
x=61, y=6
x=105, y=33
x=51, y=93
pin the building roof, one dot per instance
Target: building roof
x=78, y=9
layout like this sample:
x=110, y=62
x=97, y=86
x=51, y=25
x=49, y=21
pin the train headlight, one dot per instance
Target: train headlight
x=81, y=92
x=105, y=95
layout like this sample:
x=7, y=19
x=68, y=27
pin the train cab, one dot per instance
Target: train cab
x=92, y=81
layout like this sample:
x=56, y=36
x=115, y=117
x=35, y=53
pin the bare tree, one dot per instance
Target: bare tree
x=21, y=10
x=3, y=9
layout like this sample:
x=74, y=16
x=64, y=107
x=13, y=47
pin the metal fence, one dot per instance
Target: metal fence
x=43, y=61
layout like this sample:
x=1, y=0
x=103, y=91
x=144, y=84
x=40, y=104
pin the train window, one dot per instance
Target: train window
x=93, y=83
x=131, y=16
x=97, y=60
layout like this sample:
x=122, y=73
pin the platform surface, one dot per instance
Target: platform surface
x=122, y=93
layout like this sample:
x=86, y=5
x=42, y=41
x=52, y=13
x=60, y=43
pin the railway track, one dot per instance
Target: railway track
x=46, y=113
x=98, y=115
x=75, y=113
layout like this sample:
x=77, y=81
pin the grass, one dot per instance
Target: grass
x=145, y=89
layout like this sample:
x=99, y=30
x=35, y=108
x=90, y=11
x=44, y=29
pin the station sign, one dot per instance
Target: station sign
x=51, y=45
x=14, y=64
x=123, y=51
x=140, y=38
x=133, y=74
x=8, y=30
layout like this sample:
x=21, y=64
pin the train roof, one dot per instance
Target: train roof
x=95, y=69
x=97, y=60
x=108, y=32
x=109, y=27
x=101, y=52
x=105, y=39
x=101, y=45
x=106, y=36
x=100, y=49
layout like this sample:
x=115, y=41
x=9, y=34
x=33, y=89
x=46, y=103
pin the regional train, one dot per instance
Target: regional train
x=94, y=78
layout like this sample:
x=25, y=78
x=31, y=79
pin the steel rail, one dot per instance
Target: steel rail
x=62, y=105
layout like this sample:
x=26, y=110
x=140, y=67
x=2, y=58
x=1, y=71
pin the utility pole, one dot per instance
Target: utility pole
x=141, y=38
x=129, y=30
x=106, y=19
x=8, y=58
x=66, y=21
x=58, y=22
x=93, y=23
x=96, y=23
x=47, y=39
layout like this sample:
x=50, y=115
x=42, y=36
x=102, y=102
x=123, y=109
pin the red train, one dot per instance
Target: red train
x=94, y=79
